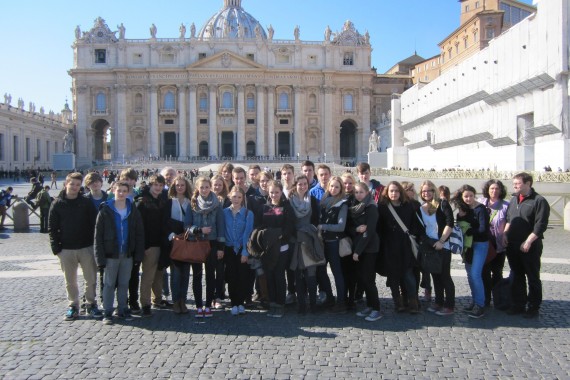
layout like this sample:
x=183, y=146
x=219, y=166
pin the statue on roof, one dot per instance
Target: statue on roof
x=182, y=30
x=121, y=31
x=270, y=31
x=153, y=31
x=192, y=30
x=77, y=32
x=328, y=33
x=296, y=33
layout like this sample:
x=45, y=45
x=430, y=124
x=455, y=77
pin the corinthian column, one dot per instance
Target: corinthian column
x=328, y=129
x=260, y=120
x=241, y=122
x=182, y=139
x=121, y=121
x=363, y=132
x=213, y=144
x=271, y=121
x=83, y=109
x=298, y=112
x=193, y=121
x=153, y=147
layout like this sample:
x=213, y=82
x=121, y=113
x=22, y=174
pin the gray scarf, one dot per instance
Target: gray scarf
x=206, y=206
x=301, y=207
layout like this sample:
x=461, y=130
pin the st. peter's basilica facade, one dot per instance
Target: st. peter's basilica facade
x=226, y=90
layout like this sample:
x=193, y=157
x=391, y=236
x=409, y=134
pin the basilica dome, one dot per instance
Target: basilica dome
x=232, y=21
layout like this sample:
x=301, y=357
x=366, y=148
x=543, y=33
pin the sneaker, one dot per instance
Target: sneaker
x=218, y=304
x=364, y=312
x=434, y=308
x=199, y=313
x=373, y=316
x=135, y=308
x=126, y=315
x=94, y=311
x=72, y=314
x=108, y=319
x=477, y=312
x=164, y=304
x=146, y=312
x=234, y=311
x=290, y=299
x=208, y=313
x=445, y=311
x=469, y=307
x=241, y=309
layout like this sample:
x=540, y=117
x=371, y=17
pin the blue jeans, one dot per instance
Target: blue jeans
x=117, y=272
x=179, y=280
x=333, y=258
x=475, y=272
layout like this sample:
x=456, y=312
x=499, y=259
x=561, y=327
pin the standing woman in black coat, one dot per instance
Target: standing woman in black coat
x=363, y=215
x=400, y=261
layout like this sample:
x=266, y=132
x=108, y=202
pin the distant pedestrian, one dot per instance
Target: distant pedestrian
x=43, y=201
x=5, y=198
x=53, y=177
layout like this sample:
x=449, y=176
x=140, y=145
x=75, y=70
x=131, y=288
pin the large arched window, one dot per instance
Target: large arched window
x=203, y=102
x=284, y=101
x=250, y=102
x=101, y=102
x=169, y=101
x=227, y=100
x=348, y=103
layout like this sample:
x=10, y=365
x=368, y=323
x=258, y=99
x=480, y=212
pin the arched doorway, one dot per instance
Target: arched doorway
x=250, y=149
x=102, y=140
x=347, y=139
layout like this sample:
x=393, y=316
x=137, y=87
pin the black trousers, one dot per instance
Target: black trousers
x=366, y=267
x=134, y=284
x=443, y=283
x=237, y=275
x=276, y=284
x=306, y=280
x=215, y=284
x=493, y=274
x=525, y=267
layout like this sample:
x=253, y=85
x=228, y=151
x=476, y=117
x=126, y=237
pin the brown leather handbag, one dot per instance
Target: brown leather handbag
x=190, y=251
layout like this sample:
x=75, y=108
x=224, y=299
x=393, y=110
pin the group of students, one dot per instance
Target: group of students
x=272, y=241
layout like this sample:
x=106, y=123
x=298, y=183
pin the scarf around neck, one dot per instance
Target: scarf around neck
x=207, y=205
x=359, y=207
x=301, y=206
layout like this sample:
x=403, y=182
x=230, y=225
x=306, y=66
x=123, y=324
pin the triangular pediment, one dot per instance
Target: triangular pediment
x=225, y=60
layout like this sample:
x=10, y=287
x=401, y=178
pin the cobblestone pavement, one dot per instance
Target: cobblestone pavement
x=36, y=343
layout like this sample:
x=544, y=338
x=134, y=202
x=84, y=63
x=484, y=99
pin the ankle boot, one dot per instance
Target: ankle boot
x=176, y=307
x=413, y=305
x=399, y=304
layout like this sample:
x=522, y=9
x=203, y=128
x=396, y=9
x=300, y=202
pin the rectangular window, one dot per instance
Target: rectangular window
x=169, y=121
x=28, y=147
x=490, y=33
x=100, y=56
x=137, y=58
x=348, y=59
x=465, y=43
x=167, y=58
x=204, y=121
x=467, y=8
x=15, y=148
x=476, y=4
x=1, y=147
x=250, y=121
x=201, y=55
x=283, y=121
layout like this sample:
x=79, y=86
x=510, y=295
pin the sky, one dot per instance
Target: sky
x=36, y=48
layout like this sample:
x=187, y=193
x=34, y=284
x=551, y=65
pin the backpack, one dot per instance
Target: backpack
x=456, y=240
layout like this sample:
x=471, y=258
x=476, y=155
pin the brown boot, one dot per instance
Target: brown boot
x=413, y=305
x=176, y=307
x=183, y=308
x=399, y=305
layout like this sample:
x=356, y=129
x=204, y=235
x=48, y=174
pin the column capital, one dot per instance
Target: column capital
x=328, y=89
x=260, y=86
x=271, y=88
x=193, y=87
x=121, y=87
x=152, y=87
x=367, y=91
x=299, y=89
x=212, y=87
x=240, y=87
x=82, y=89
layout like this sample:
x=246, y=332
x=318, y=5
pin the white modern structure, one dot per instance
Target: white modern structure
x=505, y=107
x=227, y=90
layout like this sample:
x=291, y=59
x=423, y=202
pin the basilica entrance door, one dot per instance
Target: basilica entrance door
x=284, y=144
x=169, y=144
x=227, y=144
x=347, y=139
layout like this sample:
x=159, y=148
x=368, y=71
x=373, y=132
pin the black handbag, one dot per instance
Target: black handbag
x=431, y=259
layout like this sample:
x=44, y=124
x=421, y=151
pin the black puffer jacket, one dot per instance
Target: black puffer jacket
x=71, y=223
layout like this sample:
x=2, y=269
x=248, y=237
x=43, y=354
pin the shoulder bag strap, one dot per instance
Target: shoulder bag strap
x=395, y=215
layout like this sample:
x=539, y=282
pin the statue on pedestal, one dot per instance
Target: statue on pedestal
x=182, y=31
x=328, y=32
x=153, y=31
x=121, y=31
x=68, y=142
x=193, y=31
x=296, y=33
x=373, y=142
x=270, y=31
